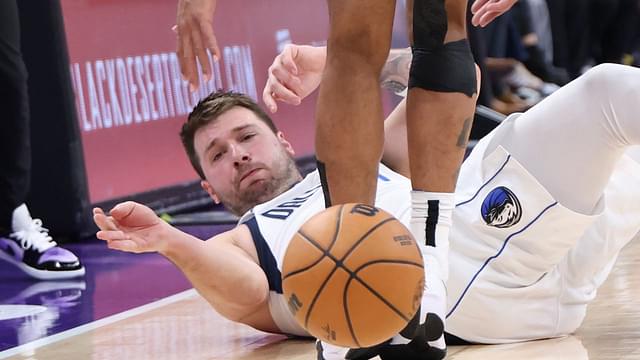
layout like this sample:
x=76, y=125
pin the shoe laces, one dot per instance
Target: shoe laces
x=34, y=236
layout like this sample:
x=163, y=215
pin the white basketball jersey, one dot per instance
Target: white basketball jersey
x=274, y=223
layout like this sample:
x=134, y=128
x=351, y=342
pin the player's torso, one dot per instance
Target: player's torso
x=280, y=218
x=275, y=222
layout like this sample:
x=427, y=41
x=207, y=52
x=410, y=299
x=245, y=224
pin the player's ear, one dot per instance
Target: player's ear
x=209, y=189
x=285, y=143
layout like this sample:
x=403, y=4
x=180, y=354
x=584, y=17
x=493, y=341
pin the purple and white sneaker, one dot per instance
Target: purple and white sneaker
x=30, y=248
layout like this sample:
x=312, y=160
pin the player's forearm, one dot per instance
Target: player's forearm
x=216, y=269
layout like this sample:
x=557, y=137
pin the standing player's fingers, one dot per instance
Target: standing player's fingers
x=268, y=98
x=104, y=222
x=285, y=77
x=287, y=59
x=280, y=92
x=111, y=235
x=200, y=51
x=477, y=5
x=488, y=18
x=209, y=39
x=124, y=245
x=187, y=60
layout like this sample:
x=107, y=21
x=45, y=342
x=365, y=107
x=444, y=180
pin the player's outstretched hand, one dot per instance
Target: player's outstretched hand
x=131, y=227
x=485, y=11
x=294, y=74
x=194, y=27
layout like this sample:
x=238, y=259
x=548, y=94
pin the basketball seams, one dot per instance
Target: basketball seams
x=354, y=275
x=339, y=263
x=369, y=232
x=325, y=252
x=315, y=298
x=346, y=309
x=381, y=298
x=373, y=262
x=314, y=243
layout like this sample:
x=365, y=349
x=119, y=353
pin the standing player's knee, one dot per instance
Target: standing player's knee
x=437, y=66
x=449, y=68
x=357, y=51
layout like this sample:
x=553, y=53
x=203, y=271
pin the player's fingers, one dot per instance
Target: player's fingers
x=182, y=32
x=123, y=210
x=111, y=235
x=187, y=58
x=487, y=18
x=268, y=98
x=287, y=79
x=475, y=19
x=209, y=39
x=104, y=222
x=498, y=7
x=287, y=59
x=477, y=5
x=280, y=92
x=200, y=52
x=124, y=245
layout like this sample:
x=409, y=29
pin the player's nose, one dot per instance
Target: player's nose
x=240, y=154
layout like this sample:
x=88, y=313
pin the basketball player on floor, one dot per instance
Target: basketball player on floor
x=349, y=121
x=540, y=216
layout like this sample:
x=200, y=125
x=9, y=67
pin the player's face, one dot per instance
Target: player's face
x=243, y=161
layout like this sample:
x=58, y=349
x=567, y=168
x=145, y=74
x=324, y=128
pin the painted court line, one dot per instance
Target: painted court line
x=29, y=348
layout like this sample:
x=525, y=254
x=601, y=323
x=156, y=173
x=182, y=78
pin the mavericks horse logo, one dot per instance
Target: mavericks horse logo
x=501, y=208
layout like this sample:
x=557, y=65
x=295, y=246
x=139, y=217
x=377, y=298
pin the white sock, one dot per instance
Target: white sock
x=422, y=225
x=431, y=217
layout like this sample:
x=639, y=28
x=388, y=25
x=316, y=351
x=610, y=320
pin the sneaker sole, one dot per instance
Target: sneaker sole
x=43, y=274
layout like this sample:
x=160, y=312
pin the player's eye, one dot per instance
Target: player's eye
x=217, y=156
x=247, y=137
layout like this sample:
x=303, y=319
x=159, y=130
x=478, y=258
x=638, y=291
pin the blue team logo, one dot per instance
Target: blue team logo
x=501, y=208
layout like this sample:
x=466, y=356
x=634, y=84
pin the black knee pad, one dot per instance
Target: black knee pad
x=435, y=65
x=448, y=68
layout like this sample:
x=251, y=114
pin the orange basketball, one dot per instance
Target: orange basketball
x=353, y=275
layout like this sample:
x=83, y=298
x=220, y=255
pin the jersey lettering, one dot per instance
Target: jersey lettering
x=284, y=210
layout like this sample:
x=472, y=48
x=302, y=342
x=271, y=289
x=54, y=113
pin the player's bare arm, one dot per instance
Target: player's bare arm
x=223, y=269
x=296, y=72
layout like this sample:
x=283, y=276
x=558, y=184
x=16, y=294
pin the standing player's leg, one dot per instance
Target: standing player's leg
x=440, y=107
x=15, y=166
x=23, y=240
x=349, y=119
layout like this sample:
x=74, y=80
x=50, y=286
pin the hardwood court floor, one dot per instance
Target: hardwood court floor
x=187, y=328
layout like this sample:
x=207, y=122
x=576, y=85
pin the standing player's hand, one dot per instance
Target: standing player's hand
x=194, y=26
x=131, y=227
x=484, y=11
x=295, y=73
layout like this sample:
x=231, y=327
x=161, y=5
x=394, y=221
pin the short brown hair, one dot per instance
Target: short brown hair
x=208, y=110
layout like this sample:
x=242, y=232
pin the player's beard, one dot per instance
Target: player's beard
x=283, y=175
